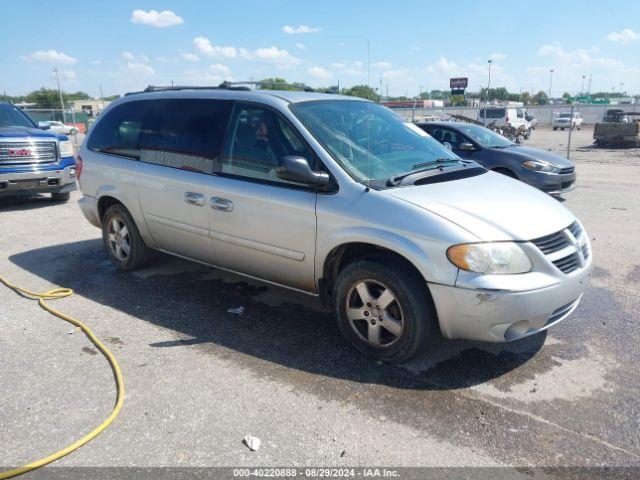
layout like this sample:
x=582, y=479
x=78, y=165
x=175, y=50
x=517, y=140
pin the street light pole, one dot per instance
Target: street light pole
x=550, y=82
x=55, y=71
x=582, y=89
x=486, y=99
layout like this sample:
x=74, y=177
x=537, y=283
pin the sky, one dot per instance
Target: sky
x=404, y=45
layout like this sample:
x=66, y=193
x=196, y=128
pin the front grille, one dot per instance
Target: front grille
x=552, y=243
x=561, y=249
x=568, y=264
x=567, y=170
x=27, y=153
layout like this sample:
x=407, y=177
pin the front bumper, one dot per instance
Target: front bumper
x=501, y=314
x=551, y=183
x=38, y=181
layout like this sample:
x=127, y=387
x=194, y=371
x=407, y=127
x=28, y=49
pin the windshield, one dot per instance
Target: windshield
x=484, y=136
x=370, y=141
x=565, y=115
x=11, y=116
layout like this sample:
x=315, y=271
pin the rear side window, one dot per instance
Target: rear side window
x=177, y=133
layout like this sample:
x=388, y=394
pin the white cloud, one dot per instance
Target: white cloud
x=136, y=65
x=301, y=46
x=96, y=62
x=220, y=69
x=50, y=56
x=383, y=65
x=353, y=68
x=443, y=66
x=319, y=72
x=68, y=76
x=289, y=30
x=496, y=57
x=394, y=74
x=206, y=48
x=153, y=18
x=216, y=73
x=275, y=56
x=190, y=57
x=625, y=36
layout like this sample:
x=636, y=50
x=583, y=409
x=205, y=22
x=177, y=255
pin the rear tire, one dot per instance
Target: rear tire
x=121, y=237
x=400, y=325
x=61, y=197
x=555, y=128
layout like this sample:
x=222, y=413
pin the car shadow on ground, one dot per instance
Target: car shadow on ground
x=278, y=326
x=26, y=202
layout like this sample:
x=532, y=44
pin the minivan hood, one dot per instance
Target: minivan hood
x=528, y=153
x=491, y=206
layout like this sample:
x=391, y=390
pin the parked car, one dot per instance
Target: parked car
x=58, y=127
x=566, y=120
x=616, y=115
x=541, y=169
x=339, y=198
x=502, y=116
x=532, y=119
x=33, y=160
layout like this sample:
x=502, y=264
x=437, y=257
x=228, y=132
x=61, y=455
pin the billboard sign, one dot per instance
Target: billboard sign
x=458, y=83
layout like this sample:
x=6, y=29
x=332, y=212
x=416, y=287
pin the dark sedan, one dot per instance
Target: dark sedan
x=547, y=171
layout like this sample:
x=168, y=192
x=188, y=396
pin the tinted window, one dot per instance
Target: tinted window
x=256, y=139
x=178, y=133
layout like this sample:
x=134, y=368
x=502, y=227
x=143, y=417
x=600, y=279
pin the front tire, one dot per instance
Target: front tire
x=384, y=309
x=122, y=240
x=61, y=197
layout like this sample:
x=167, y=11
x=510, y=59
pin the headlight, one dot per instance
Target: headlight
x=496, y=257
x=540, y=166
x=66, y=149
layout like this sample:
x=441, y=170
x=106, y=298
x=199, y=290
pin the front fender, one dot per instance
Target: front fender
x=429, y=259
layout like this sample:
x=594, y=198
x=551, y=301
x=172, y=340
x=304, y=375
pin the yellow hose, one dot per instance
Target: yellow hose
x=50, y=295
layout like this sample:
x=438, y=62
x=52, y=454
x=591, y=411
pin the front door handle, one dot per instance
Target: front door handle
x=194, y=198
x=221, y=204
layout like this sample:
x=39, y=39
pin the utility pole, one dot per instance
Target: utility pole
x=55, y=71
x=582, y=88
x=550, y=82
x=101, y=94
x=589, y=85
x=387, y=87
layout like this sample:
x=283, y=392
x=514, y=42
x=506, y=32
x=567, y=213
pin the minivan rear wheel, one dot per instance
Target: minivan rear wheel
x=122, y=239
x=384, y=310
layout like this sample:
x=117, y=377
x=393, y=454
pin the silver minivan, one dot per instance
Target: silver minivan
x=339, y=198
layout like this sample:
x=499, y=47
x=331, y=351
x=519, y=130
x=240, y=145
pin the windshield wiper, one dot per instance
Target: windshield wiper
x=438, y=163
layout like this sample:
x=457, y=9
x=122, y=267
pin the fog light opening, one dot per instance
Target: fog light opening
x=517, y=330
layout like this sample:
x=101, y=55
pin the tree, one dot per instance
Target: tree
x=525, y=98
x=277, y=83
x=362, y=91
x=541, y=98
x=50, y=98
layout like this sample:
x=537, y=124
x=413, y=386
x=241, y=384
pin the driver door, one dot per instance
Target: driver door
x=261, y=225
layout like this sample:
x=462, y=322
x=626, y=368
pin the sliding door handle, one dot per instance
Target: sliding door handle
x=194, y=198
x=221, y=204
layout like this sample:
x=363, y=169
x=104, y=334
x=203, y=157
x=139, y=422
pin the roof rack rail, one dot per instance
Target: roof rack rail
x=170, y=88
x=257, y=85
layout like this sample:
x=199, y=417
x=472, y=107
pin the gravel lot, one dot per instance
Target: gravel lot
x=199, y=378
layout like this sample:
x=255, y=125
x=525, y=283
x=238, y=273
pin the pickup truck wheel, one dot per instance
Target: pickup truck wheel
x=122, y=239
x=555, y=128
x=61, y=197
x=383, y=310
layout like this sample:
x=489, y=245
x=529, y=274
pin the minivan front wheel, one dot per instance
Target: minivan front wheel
x=122, y=240
x=383, y=310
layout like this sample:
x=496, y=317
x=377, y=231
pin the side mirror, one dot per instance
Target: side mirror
x=297, y=169
x=43, y=126
x=466, y=147
x=447, y=145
